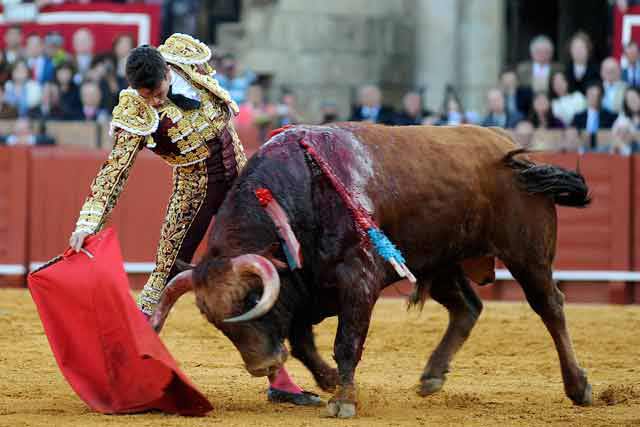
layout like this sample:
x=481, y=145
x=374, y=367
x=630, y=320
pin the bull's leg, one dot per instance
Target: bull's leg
x=451, y=289
x=546, y=299
x=303, y=348
x=353, y=324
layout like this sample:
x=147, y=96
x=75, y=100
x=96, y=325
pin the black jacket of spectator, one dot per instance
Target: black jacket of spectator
x=71, y=104
x=591, y=74
x=404, y=119
x=605, y=119
x=385, y=115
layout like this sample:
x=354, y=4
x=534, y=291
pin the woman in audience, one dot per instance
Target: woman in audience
x=541, y=115
x=631, y=106
x=22, y=92
x=69, y=93
x=565, y=105
x=580, y=70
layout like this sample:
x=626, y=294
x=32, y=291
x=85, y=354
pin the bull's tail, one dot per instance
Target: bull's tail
x=564, y=187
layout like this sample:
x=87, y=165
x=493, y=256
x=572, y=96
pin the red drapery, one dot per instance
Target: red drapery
x=105, y=20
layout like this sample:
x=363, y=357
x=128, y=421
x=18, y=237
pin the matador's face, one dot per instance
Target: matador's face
x=158, y=96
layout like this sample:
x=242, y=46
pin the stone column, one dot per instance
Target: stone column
x=459, y=42
x=436, y=41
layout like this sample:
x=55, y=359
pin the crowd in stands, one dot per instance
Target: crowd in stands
x=40, y=81
x=581, y=98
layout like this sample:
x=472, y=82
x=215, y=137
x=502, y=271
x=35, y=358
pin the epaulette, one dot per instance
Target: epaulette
x=184, y=49
x=134, y=115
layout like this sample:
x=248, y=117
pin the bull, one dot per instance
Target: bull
x=451, y=198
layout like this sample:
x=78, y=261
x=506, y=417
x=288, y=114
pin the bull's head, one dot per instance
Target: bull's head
x=237, y=295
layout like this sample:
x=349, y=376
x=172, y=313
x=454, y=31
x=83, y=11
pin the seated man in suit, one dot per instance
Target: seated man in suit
x=370, y=108
x=595, y=117
x=631, y=73
x=498, y=114
x=613, y=87
x=537, y=72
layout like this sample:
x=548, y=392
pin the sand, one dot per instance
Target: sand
x=506, y=375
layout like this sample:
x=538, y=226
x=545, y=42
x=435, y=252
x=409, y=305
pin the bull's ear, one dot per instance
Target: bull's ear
x=270, y=254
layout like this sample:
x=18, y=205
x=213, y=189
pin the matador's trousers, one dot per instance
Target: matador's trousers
x=198, y=192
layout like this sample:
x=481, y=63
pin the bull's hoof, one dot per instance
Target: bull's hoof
x=587, y=397
x=341, y=409
x=430, y=386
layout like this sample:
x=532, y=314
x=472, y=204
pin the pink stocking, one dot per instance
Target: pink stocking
x=282, y=381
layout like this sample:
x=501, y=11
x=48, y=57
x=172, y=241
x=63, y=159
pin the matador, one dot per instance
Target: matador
x=175, y=108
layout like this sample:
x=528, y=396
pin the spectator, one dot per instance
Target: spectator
x=452, y=111
x=69, y=93
x=256, y=111
x=625, y=138
x=83, y=44
x=235, y=82
x=541, y=116
x=498, y=115
x=53, y=42
x=595, y=117
x=631, y=73
x=40, y=65
x=631, y=106
x=13, y=44
x=517, y=99
x=122, y=45
x=21, y=92
x=537, y=72
x=103, y=72
x=5, y=69
x=50, y=107
x=412, y=112
x=329, y=112
x=91, y=98
x=565, y=105
x=612, y=85
x=580, y=70
x=523, y=133
x=370, y=108
x=23, y=135
x=6, y=111
x=287, y=110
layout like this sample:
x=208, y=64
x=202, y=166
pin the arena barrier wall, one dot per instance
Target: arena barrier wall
x=43, y=189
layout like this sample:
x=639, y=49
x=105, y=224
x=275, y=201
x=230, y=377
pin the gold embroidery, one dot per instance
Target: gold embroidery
x=197, y=155
x=108, y=184
x=180, y=130
x=189, y=192
x=238, y=149
x=190, y=143
x=134, y=115
x=171, y=111
x=184, y=49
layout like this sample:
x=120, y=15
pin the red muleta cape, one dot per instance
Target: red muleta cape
x=103, y=345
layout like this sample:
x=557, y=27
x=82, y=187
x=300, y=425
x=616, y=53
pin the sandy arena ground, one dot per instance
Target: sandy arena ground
x=506, y=375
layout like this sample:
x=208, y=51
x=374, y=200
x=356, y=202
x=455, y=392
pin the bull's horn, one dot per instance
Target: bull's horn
x=179, y=285
x=270, y=282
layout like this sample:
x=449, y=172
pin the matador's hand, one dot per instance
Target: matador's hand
x=77, y=240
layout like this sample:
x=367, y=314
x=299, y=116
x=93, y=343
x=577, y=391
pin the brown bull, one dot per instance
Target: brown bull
x=444, y=195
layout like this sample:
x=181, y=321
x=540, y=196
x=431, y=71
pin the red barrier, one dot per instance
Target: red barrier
x=14, y=169
x=41, y=192
x=60, y=180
